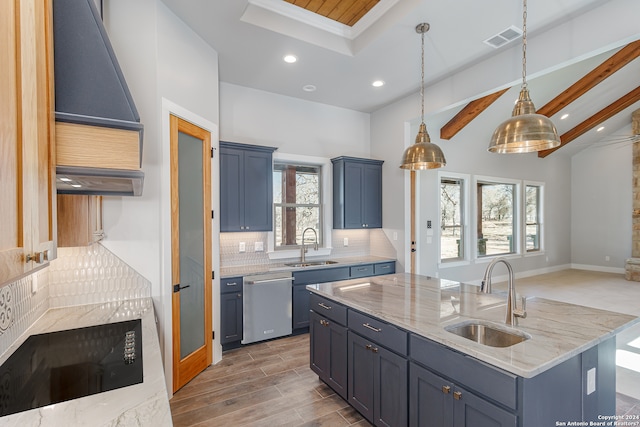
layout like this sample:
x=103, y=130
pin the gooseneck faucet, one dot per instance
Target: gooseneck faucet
x=512, y=311
x=303, y=249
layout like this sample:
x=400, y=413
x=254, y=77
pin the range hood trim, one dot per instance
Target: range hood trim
x=136, y=178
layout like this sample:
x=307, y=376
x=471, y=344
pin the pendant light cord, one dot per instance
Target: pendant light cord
x=524, y=44
x=422, y=80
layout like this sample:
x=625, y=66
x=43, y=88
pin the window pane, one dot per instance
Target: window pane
x=300, y=218
x=532, y=209
x=496, y=231
x=451, y=221
x=297, y=203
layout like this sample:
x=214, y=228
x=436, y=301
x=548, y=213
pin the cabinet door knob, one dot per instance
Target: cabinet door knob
x=239, y=295
x=374, y=349
x=368, y=346
x=446, y=389
x=457, y=395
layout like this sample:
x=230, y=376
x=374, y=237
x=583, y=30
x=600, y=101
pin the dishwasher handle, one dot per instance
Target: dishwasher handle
x=259, y=282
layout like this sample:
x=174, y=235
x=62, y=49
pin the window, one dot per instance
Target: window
x=451, y=219
x=496, y=219
x=297, y=203
x=532, y=217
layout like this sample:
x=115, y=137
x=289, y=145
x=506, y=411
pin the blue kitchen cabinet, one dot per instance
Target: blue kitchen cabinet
x=303, y=278
x=231, y=312
x=246, y=187
x=357, y=193
x=328, y=343
x=377, y=382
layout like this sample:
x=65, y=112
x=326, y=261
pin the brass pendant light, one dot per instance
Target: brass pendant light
x=423, y=154
x=525, y=131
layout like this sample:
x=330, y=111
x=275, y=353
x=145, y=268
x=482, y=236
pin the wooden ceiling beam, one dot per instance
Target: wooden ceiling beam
x=468, y=113
x=593, y=121
x=595, y=76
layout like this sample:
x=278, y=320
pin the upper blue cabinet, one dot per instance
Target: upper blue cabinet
x=246, y=187
x=357, y=193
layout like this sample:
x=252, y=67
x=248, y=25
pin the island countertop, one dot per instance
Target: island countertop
x=144, y=404
x=425, y=306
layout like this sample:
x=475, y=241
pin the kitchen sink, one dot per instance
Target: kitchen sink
x=488, y=334
x=309, y=263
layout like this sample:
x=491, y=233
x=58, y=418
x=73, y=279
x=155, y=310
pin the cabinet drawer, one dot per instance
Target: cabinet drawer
x=329, y=309
x=379, y=331
x=384, y=268
x=320, y=276
x=231, y=284
x=361, y=271
x=466, y=371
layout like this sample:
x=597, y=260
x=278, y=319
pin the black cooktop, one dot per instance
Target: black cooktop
x=59, y=366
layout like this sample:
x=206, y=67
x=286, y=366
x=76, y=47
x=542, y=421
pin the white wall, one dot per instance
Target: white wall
x=292, y=125
x=162, y=60
x=601, y=200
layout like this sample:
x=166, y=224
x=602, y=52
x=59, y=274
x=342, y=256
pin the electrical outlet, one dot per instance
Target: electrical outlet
x=34, y=283
x=259, y=247
x=345, y=241
x=395, y=235
x=242, y=247
x=607, y=258
x=591, y=380
x=428, y=224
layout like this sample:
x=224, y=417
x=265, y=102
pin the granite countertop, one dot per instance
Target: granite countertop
x=244, y=270
x=425, y=306
x=145, y=404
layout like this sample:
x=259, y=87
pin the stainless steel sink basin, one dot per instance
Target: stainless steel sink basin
x=488, y=334
x=309, y=263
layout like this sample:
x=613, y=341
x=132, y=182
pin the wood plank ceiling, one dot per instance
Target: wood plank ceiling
x=347, y=12
x=582, y=86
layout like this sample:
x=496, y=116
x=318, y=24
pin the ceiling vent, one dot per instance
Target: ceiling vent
x=504, y=37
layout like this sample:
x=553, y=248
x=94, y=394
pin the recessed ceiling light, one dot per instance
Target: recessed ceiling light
x=76, y=185
x=290, y=59
x=309, y=88
x=600, y=129
x=65, y=179
x=377, y=83
x=564, y=116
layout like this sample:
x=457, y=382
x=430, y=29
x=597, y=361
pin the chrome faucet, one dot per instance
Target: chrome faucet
x=303, y=249
x=512, y=311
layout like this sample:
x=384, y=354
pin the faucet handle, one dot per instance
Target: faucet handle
x=522, y=313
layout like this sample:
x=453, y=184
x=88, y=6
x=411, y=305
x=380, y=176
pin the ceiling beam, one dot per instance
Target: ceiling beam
x=595, y=76
x=468, y=113
x=593, y=121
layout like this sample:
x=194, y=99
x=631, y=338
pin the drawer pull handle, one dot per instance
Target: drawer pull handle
x=326, y=307
x=457, y=395
x=446, y=389
x=362, y=269
x=232, y=284
x=385, y=267
x=368, y=326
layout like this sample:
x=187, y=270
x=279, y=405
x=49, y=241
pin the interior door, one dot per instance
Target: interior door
x=190, y=250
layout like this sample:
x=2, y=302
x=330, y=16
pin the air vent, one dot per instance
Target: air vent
x=504, y=37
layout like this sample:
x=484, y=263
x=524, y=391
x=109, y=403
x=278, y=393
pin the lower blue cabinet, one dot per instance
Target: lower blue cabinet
x=328, y=352
x=437, y=402
x=377, y=382
x=230, y=311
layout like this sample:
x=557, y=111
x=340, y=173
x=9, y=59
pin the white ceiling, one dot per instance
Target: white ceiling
x=342, y=68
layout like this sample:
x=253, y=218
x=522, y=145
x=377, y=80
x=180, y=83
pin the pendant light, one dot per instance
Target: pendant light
x=423, y=154
x=525, y=131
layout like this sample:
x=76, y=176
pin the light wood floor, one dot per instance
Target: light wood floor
x=270, y=383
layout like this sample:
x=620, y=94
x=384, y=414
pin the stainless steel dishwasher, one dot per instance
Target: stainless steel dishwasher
x=267, y=306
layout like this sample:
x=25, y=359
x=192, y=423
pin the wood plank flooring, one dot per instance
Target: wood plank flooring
x=265, y=384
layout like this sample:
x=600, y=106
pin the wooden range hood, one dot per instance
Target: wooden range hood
x=98, y=130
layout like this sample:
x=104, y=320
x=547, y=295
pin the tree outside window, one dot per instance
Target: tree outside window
x=496, y=225
x=297, y=203
x=451, y=219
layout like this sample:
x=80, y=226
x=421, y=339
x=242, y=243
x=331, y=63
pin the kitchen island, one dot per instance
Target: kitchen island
x=143, y=404
x=382, y=343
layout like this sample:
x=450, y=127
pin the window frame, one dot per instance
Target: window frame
x=541, y=193
x=465, y=219
x=516, y=214
x=326, y=207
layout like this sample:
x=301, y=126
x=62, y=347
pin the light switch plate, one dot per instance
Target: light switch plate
x=242, y=247
x=259, y=247
x=591, y=380
x=345, y=241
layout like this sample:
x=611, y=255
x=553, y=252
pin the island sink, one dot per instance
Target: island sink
x=486, y=334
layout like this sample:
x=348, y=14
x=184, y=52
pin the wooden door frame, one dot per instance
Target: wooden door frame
x=185, y=369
